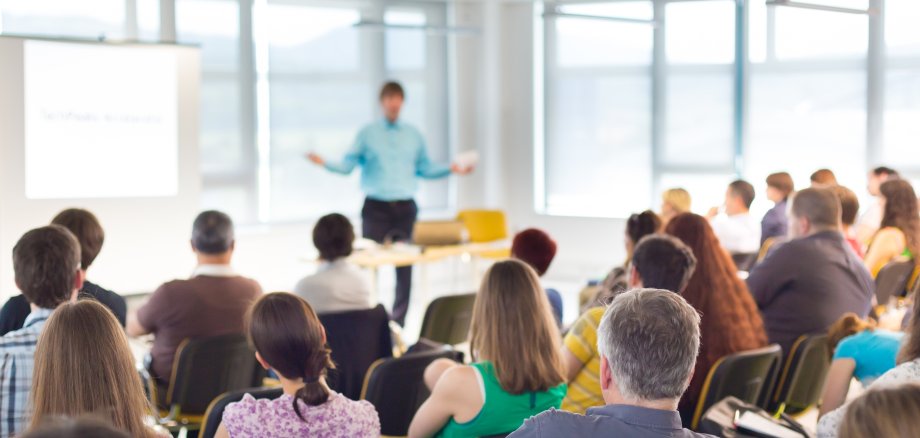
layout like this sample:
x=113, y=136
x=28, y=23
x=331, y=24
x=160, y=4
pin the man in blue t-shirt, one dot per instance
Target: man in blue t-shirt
x=392, y=156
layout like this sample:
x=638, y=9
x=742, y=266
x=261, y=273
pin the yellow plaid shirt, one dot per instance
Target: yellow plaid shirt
x=585, y=391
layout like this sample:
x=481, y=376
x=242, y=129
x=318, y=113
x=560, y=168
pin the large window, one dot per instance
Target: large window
x=281, y=78
x=797, y=96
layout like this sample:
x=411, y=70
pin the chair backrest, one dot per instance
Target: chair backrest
x=447, y=319
x=892, y=280
x=357, y=339
x=484, y=225
x=743, y=375
x=744, y=261
x=802, y=379
x=396, y=388
x=215, y=412
x=207, y=367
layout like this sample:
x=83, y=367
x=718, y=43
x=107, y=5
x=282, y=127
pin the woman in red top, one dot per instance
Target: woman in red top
x=730, y=320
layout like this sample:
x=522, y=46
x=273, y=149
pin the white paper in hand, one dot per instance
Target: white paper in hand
x=467, y=159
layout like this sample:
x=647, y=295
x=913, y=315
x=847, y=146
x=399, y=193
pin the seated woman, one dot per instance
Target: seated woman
x=773, y=225
x=861, y=351
x=637, y=226
x=674, y=202
x=884, y=412
x=84, y=366
x=290, y=340
x=537, y=249
x=907, y=371
x=730, y=320
x=517, y=371
x=899, y=235
x=338, y=285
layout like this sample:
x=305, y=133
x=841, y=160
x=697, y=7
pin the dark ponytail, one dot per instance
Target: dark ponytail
x=286, y=332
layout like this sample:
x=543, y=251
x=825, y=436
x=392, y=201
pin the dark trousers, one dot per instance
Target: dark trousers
x=392, y=221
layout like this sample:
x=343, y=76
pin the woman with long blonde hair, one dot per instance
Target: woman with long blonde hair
x=889, y=412
x=84, y=365
x=517, y=371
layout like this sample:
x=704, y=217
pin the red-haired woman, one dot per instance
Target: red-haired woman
x=730, y=320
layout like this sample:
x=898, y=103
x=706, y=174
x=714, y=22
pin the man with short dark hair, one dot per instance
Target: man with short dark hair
x=774, y=224
x=84, y=225
x=849, y=208
x=46, y=266
x=211, y=303
x=737, y=230
x=337, y=285
x=648, y=341
x=660, y=262
x=392, y=156
x=808, y=283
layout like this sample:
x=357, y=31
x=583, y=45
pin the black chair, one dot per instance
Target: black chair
x=892, y=281
x=205, y=368
x=744, y=375
x=745, y=261
x=357, y=339
x=802, y=380
x=396, y=388
x=447, y=319
x=215, y=412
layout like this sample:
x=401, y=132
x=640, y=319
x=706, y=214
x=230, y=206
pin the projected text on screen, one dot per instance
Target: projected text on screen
x=100, y=121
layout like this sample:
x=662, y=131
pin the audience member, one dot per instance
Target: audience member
x=46, y=267
x=517, y=371
x=823, y=178
x=537, y=249
x=808, y=283
x=76, y=428
x=89, y=233
x=660, y=262
x=871, y=219
x=884, y=412
x=731, y=322
x=737, y=230
x=211, y=303
x=84, y=366
x=338, y=285
x=638, y=226
x=861, y=351
x=290, y=340
x=674, y=202
x=774, y=223
x=849, y=207
x=648, y=340
x=899, y=235
x=907, y=371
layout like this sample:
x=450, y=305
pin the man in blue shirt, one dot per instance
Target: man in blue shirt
x=46, y=265
x=392, y=156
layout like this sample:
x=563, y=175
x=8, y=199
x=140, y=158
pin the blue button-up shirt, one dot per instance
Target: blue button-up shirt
x=606, y=421
x=17, y=358
x=392, y=157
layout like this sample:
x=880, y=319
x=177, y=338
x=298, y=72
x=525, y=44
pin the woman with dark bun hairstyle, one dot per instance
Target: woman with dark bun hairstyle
x=290, y=340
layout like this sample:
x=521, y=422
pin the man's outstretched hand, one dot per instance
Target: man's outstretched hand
x=315, y=158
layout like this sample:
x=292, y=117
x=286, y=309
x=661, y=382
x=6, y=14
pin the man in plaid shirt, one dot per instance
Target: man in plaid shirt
x=46, y=263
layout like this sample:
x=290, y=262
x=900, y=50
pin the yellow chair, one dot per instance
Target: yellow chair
x=485, y=226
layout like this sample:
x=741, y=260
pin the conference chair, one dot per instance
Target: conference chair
x=744, y=375
x=765, y=248
x=802, y=379
x=486, y=226
x=396, y=387
x=203, y=369
x=215, y=412
x=357, y=338
x=745, y=261
x=892, y=281
x=447, y=319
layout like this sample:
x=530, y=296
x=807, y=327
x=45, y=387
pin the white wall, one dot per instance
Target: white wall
x=146, y=238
